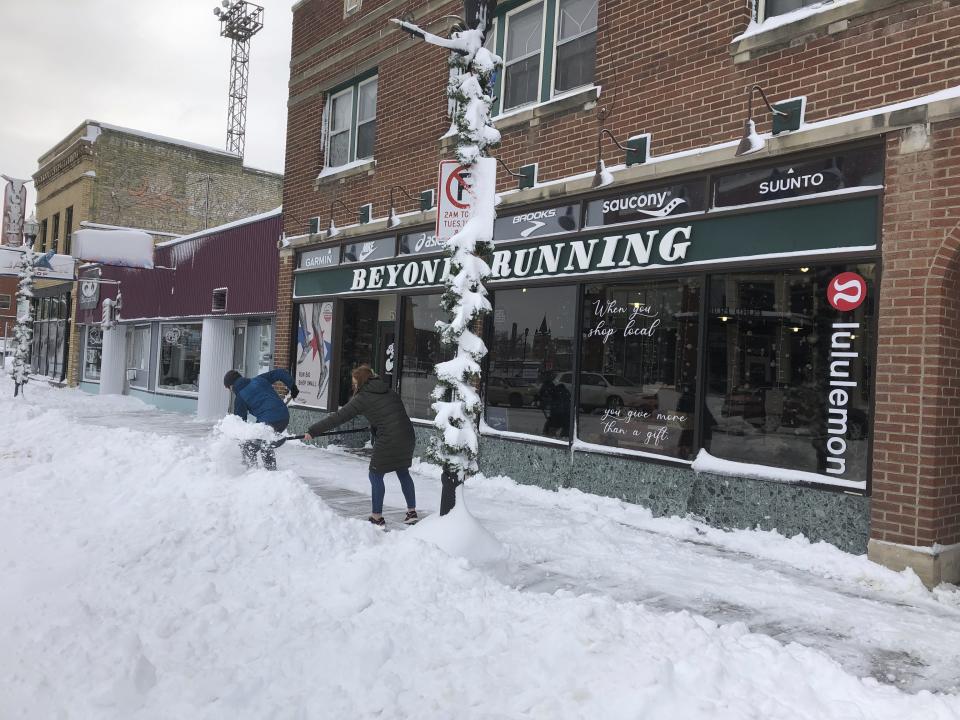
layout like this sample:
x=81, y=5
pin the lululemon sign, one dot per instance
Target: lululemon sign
x=847, y=291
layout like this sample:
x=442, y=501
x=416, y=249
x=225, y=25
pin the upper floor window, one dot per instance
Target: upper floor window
x=350, y=7
x=43, y=235
x=55, y=239
x=68, y=230
x=547, y=48
x=352, y=118
x=769, y=8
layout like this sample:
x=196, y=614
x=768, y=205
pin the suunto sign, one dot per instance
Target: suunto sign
x=845, y=171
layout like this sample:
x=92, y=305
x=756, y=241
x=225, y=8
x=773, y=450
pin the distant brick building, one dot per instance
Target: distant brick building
x=763, y=339
x=107, y=176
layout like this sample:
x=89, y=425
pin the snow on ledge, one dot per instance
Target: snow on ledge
x=489, y=431
x=336, y=170
x=706, y=462
x=581, y=446
x=757, y=28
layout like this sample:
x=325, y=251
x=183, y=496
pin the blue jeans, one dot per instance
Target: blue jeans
x=378, y=490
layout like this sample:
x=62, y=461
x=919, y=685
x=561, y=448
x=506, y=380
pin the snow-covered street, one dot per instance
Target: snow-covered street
x=146, y=574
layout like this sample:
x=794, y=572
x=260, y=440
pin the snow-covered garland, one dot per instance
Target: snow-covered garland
x=23, y=330
x=456, y=400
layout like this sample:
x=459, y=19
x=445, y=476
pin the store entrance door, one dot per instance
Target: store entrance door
x=368, y=332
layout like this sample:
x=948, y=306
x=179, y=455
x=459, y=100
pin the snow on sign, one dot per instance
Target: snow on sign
x=455, y=197
x=130, y=248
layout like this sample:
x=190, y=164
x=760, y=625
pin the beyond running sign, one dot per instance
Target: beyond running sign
x=615, y=252
x=781, y=233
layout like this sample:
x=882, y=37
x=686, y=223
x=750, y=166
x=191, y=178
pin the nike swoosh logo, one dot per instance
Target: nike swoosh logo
x=536, y=226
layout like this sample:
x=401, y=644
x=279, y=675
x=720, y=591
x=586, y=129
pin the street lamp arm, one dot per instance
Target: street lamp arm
x=455, y=44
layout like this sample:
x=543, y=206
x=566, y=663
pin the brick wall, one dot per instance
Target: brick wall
x=665, y=68
x=174, y=188
x=916, y=457
x=284, y=317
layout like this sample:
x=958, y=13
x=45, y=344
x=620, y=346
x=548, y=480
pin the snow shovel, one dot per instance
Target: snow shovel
x=281, y=441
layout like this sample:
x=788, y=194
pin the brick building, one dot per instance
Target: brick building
x=106, y=176
x=761, y=336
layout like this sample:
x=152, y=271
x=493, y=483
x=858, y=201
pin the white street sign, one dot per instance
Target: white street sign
x=455, y=197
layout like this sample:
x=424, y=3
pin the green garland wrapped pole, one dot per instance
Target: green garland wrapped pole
x=456, y=399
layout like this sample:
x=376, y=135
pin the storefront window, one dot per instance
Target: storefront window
x=92, y=351
x=179, y=357
x=790, y=369
x=638, y=368
x=421, y=351
x=534, y=333
x=138, y=355
x=315, y=341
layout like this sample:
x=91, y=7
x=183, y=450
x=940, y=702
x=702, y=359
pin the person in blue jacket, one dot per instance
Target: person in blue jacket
x=257, y=396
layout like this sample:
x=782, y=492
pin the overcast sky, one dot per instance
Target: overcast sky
x=160, y=67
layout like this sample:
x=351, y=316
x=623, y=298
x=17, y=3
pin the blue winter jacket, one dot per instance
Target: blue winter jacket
x=257, y=396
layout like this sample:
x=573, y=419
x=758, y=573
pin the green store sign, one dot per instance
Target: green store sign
x=844, y=225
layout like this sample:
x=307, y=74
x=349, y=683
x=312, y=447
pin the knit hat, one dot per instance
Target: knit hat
x=230, y=378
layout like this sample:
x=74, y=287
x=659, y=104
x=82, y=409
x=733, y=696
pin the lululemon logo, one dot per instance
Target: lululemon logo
x=847, y=291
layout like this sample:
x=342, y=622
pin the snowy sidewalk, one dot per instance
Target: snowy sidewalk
x=148, y=575
x=873, y=622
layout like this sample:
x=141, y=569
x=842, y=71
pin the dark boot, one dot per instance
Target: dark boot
x=269, y=457
x=249, y=452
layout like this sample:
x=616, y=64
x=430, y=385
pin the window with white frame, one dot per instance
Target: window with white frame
x=576, y=44
x=5, y=302
x=92, y=353
x=352, y=123
x=179, y=362
x=521, y=59
x=547, y=49
x=138, y=355
x=770, y=8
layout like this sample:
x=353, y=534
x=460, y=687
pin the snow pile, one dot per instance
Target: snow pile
x=231, y=427
x=459, y=534
x=146, y=578
x=130, y=248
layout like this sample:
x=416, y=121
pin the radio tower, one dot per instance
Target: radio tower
x=239, y=21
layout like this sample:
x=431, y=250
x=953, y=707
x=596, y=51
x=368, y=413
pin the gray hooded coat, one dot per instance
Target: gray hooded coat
x=383, y=408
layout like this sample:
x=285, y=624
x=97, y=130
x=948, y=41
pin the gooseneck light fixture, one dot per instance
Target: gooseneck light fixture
x=636, y=150
x=752, y=142
x=526, y=177
x=392, y=219
x=332, y=230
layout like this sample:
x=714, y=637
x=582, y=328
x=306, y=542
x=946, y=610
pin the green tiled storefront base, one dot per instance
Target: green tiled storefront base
x=728, y=502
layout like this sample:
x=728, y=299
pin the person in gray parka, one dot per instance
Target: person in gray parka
x=393, y=441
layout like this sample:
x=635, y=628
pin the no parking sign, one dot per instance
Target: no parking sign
x=455, y=196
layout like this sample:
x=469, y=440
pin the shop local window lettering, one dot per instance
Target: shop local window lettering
x=635, y=313
x=596, y=254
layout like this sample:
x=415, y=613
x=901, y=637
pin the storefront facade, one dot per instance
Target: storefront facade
x=764, y=340
x=206, y=307
x=724, y=322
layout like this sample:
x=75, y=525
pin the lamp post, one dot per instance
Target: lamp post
x=31, y=229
